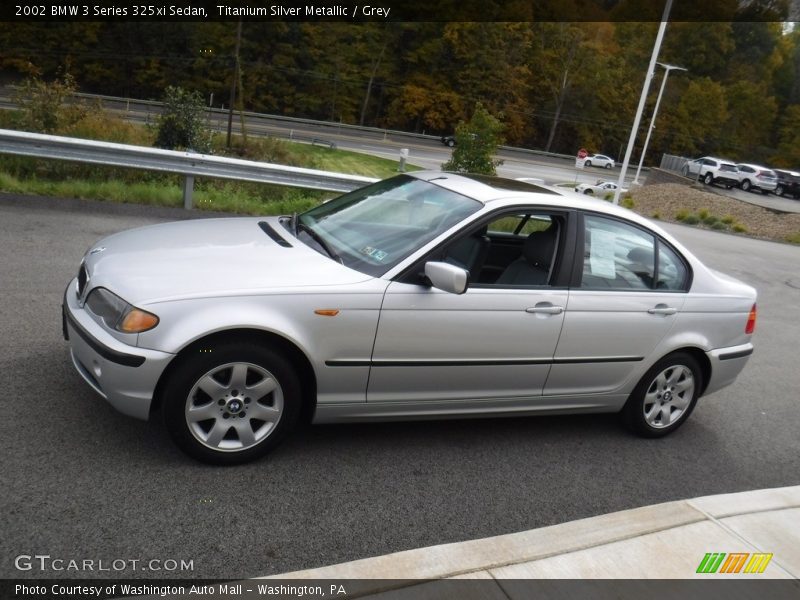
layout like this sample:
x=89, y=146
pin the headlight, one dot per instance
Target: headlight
x=118, y=314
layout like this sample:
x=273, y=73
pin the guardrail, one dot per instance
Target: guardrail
x=188, y=164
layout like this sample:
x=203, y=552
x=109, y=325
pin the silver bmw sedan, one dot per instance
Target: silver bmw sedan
x=427, y=295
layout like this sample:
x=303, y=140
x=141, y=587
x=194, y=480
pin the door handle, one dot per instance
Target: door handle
x=662, y=309
x=545, y=308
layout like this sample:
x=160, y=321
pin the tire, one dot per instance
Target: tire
x=644, y=412
x=685, y=171
x=588, y=192
x=779, y=190
x=608, y=165
x=746, y=185
x=588, y=163
x=708, y=179
x=451, y=143
x=226, y=384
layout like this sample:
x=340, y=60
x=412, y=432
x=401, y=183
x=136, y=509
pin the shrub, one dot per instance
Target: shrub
x=793, y=238
x=42, y=107
x=728, y=220
x=476, y=144
x=703, y=214
x=656, y=215
x=739, y=228
x=681, y=215
x=628, y=202
x=691, y=220
x=710, y=220
x=181, y=125
x=718, y=225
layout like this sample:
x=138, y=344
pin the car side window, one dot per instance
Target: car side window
x=616, y=255
x=672, y=271
x=511, y=250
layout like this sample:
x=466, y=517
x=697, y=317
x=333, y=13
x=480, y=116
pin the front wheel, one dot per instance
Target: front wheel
x=588, y=192
x=779, y=190
x=708, y=179
x=665, y=397
x=451, y=143
x=746, y=185
x=232, y=403
x=588, y=163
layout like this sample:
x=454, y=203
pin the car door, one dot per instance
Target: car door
x=628, y=288
x=495, y=341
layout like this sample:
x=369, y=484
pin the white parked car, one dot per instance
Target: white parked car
x=757, y=178
x=427, y=295
x=599, y=160
x=601, y=188
x=711, y=170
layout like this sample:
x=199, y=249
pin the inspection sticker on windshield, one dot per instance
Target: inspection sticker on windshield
x=378, y=255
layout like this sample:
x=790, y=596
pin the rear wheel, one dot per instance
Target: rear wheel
x=665, y=397
x=232, y=403
x=588, y=163
x=451, y=143
x=746, y=185
x=588, y=192
x=608, y=165
x=779, y=190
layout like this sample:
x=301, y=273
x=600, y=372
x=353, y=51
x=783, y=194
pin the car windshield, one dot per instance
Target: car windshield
x=373, y=228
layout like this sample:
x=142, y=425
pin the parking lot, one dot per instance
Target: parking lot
x=83, y=482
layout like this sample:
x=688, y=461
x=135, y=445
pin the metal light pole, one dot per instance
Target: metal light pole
x=642, y=99
x=667, y=69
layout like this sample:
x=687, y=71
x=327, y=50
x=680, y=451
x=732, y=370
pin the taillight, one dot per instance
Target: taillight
x=751, y=321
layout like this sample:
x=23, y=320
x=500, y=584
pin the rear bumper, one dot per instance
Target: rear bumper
x=726, y=364
x=124, y=375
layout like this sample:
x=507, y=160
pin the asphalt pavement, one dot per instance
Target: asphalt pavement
x=83, y=482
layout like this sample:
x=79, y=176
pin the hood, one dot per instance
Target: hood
x=209, y=257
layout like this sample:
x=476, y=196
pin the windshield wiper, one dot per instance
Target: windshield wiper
x=300, y=226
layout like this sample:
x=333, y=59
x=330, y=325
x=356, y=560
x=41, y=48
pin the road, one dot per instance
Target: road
x=83, y=482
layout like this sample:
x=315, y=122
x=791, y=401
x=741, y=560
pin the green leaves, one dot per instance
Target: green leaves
x=476, y=144
x=181, y=125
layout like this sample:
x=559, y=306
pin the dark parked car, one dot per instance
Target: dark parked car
x=449, y=140
x=788, y=183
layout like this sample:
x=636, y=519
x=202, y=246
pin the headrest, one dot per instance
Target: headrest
x=643, y=256
x=539, y=246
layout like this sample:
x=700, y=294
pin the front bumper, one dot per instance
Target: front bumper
x=124, y=375
x=726, y=364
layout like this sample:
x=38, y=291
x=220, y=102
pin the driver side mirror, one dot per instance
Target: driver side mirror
x=446, y=277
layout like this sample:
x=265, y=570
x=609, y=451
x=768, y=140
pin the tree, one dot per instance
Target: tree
x=476, y=144
x=181, y=123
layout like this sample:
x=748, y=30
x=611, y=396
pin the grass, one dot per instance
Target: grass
x=32, y=176
x=793, y=238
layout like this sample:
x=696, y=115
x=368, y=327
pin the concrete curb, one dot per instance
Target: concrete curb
x=661, y=541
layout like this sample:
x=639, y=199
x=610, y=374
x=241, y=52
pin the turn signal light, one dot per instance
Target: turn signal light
x=751, y=321
x=137, y=321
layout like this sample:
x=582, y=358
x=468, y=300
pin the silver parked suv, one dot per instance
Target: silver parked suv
x=758, y=178
x=712, y=170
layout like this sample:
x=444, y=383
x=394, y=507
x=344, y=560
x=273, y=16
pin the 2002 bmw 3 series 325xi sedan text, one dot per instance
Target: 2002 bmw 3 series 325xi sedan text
x=424, y=295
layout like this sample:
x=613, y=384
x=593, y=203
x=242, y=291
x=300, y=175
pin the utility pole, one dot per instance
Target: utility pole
x=235, y=79
x=667, y=69
x=643, y=99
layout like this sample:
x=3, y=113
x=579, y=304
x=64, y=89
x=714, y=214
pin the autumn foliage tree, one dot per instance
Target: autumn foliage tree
x=476, y=143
